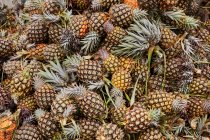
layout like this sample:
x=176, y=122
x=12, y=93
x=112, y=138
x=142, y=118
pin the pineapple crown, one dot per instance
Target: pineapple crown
x=95, y=85
x=119, y=102
x=72, y=63
x=180, y=106
x=38, y=82
x=139, y=14
x=55, y=74
x=72, y=131
x=155, y=115
x=141, y=35
x=181, y=18
x=39, y=113
x=90, y=42
x=70, y=109
x=74, y=91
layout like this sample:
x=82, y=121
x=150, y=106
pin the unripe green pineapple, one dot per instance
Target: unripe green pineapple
x=90, y=103
x=109, y=132
x=37, y=32
x=121, y=79
x=28, y=132
x=121, y=15
x=199, y=86
x=44, y=93
x=47, y=125
x=151, y=134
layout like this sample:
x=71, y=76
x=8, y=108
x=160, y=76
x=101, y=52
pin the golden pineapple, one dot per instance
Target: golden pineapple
x=151, y=133
x=104, y=4
x=166, y=5
x=122, y=79
x=80, y=4
x=11, y=67
x=55, y=31
x=34, y=67
x=53, y=51
x=47, y=125
x=109, y=132
x=21, y=84
x=90, y=103
x=140, y=71
x=29, y=132
x=44, y=93
x=121, y=15
x=53, y=7
x=199, y=86
x=27, y=103
x=127, y=63
x=37, y=32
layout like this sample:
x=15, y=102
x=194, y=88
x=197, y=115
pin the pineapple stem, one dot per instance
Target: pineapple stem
x=134, y=92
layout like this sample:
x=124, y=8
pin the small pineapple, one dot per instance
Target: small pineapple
x=37, y=32
x=109, y=132
x=44, y=93
x=90, y=103
x=21, y=84
x=151, y=133
x=199, y=86
x=138, y=119
x=122, y=79
x=121, y=15
x=47, y=125
x=29, y=132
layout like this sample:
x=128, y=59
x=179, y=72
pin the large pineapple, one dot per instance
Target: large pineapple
x=121, y=79
x=44, y=93
x=37, y=32
x=27, y=103
x=121, y=15
x=151, y=134
x=200, y=86
x=109, y=132
x=47, y=125
x=90, y=103
x=55, y=31
x=28, y=132
x=21, y=84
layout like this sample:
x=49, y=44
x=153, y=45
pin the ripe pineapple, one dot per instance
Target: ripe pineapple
x=6, y=102
x=138, y=119
x=6, y=48
x=158, y=83
x=34, y=67
x=53, y=51
x=114, y=33
x=110, y=61
x=62, y=107
x=121, y=15
x=127, y=63
x=37, y=32
x=80, y=4
x=132, y=3
x=166, y=5
x=55, y=31
x=151, y=133
x=104, y=4
x=53, y=7
x=47, y=125
x=140, y=71
x=27, y=103
x=122, y=79
x=148, y=4
x=32, y=7
x=199, y=86
x=11, y=67
x=90, y=103
x=79, y=25
x=36, y=52
x=44, y=93
x=29, y=132
x=165, y=101
x=21, y=84
x=109, y=132
x=203, y=34
x=198, y=107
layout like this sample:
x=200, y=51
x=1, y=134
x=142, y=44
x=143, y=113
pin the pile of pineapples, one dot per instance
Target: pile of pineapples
x=106, y=69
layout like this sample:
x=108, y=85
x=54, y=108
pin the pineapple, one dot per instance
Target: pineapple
x=122, y=79
x=80, y=4
x=47, y=125
x=79, y=25
x=198, y=107
x=29, y=132
x=121, y=15
x=37, y=32
x=6, y=101
x=27, y=103
x=32, y=7
x=36, y=52
x=165, y=101
x=148, y=4
x=6, y=48
x=90, y=103
x=199, y=86
x=109, y=132
x=34, y=67
x=53, y=51
x=140, y=71
x=11, y=67
x=55, y=31
x=166, y=5
x=203, y=34
x=151, y=133
x=62, y=107
x=104, y=4
x=21, y=84
x=114, y=33
x=127, y=63
x=44, y=93
x=138, y=119
x=110, y=62
x=132, y=3
x=53, y=7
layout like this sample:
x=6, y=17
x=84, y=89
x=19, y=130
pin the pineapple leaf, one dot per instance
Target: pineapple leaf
x=71, y=63
x=38, y=82
x=180, y=106
x=74, y=91
x=139, y=14
x=39, y=113
x=95, y=85
x=90, y=42
x=72, y=131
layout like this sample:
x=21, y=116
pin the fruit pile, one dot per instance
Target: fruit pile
x=105, y=70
